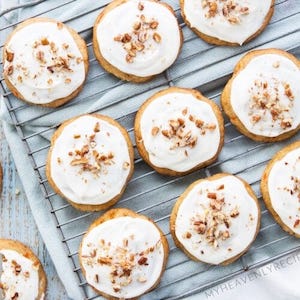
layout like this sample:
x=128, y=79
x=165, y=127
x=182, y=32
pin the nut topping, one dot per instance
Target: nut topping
x=9, y=55
x=44, y=41
x=213, y=225
x=17, y=267
x=134, y=42
x=212, y=195
x=234, y=213
x=155, y=131
x=153, y=24
x=297, y=223
x=156, y=37
x=265, y=100
x=180, y=133
x=142, y=279
x=9, y=70
x=15, y=296
x=59, y=25
x=97, y=127
x=140, y=6
x=143, y=260
x=126, y=165
x=125, y=265
x=88, y=158
x=96, y=278
x=228, y=9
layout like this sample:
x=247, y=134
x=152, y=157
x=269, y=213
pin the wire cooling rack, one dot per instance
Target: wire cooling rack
x=201, y=66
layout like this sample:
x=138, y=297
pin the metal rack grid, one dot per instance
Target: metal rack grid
x=148, y=192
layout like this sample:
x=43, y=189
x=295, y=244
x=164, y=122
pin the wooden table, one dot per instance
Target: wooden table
x=16, y=221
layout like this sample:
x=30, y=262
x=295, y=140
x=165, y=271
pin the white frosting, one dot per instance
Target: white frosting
x=160, y=148
x=276, y=71
x=284, y=189
x=219, y=27
x=30, y=76
x=109, y=240
x=23, y=280
x=156, y=57
x=242, y=228
x=86, y=187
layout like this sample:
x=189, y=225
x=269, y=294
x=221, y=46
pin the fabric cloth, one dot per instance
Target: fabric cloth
x=277, y=281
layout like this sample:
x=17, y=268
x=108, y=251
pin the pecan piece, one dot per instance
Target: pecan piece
x=9, y=70
x=155, y=131
x=143, y=260
x=153, y=24
x=140, y=6
x=44, y=41
x=156, y=37
x=9, y=55
x=297, y=223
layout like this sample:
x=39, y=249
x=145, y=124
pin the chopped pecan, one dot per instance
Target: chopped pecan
x=9, y=55
x=156, y=37
x=165, y=133
x=96, y=278
x=285, y=124
x=129, y=58
x=60, y=25
x=79, y=161
x=234, y=213
x=199, y=123
x=143, y=261
x=125, y=165
x=297, y=223
x=137, y=25
x=212, y=195
x=44, y=41
x=153, y=24
x=104, y=260
x=155, y=131
x=9, y=70
x=140, y=6
x=184, y=111
x=126, y=38
x=50, y=69
x=15, y=296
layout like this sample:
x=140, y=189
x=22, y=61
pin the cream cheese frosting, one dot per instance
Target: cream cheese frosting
x=217, y=219
x=43, y=62
x=230, y=21
x=179, y=131
x=145, y=40
x=284, y=189
x=19, y=278
x=90, y=161
x=123, y=257
x=265, y=95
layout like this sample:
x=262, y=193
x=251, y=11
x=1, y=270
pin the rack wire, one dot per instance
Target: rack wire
x=148, y=192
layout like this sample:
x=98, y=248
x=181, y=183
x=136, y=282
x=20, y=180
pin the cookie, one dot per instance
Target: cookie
x=90, y=161
x=262, y=98
x=280, y=187
x=22, y=275
x=123, y=254
x=45, y=62
x=216, y=219
x=144, y=41
x=178, y=131
x=227, y=22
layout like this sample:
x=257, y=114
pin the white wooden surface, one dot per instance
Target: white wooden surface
x=16, y=221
